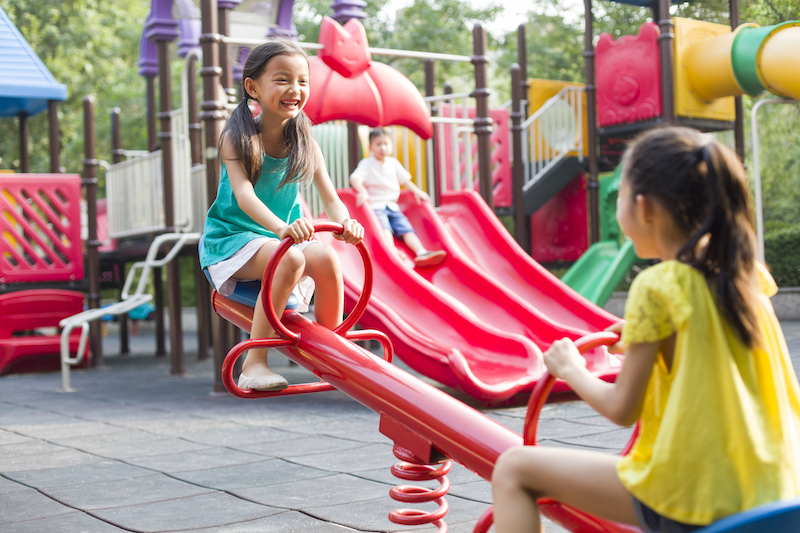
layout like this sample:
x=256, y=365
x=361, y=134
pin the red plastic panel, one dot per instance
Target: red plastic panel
x=28, y=310
x=559, y=229
x=499, y=143
x=346, y=85
x=628, y=77
x=40, y=228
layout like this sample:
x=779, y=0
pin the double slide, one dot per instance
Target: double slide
x=477, y=322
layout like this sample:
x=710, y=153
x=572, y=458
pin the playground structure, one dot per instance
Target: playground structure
x=418, y=436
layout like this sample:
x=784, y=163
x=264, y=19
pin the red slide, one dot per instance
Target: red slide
x=454, y=323
x=484, y=240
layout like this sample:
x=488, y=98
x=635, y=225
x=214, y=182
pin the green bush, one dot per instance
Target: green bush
x=782, y=253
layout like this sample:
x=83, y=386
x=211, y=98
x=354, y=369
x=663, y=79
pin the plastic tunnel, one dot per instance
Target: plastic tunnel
x=749, y=60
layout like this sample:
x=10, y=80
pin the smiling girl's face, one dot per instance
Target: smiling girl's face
x=282, y=90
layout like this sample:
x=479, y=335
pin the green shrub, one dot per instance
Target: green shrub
x=782, y=251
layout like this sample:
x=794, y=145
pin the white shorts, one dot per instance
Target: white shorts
x=223, y=272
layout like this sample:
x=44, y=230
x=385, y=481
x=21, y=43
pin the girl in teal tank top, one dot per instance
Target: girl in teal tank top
x=264, y=161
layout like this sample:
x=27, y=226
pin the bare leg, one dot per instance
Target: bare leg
x=413, y=242
x=289, y=271
x=582, y=479
x=322, y=264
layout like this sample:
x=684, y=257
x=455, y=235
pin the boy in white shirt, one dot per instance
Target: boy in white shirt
x=378, y=179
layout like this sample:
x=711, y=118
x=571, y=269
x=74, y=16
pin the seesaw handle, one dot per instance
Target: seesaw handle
x=545, y=385
x=269, y=274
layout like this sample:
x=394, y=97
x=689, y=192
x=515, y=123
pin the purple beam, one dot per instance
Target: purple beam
x=285, y=23
x=344, y=10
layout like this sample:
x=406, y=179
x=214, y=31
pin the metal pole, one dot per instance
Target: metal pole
x=212, y=114
x=521, y=227
x=203, y=293
x=430, y=90
x=117, y=154
x=89, y=180
x=666, y=41
x=152, y=132
x=483, y=124
x=522, y=61
x=177, y=366
x=757, y=168
x=591, y=126
x=55, y=146
x=738, y=128
x=24, y=154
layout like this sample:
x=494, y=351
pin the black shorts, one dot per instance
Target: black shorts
x=652, y=522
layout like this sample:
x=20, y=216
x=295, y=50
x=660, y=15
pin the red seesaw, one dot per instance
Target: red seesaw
x=429, y=428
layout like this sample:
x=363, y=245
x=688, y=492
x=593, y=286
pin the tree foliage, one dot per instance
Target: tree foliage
x=92, y=47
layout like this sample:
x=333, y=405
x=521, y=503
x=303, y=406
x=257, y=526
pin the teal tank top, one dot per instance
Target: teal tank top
x=228, y=228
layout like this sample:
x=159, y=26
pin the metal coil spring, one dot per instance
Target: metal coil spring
x=415, y=494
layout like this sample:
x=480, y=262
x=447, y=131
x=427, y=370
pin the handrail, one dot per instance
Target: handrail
x=236, y=41
x=128, y=303
x=551, y=133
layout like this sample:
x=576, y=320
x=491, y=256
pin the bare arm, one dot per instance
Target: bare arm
x=621, y=401
x=334, y=208
x=358, y=184
x=419, y=194
x=300, y=230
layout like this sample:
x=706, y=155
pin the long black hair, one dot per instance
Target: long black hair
x=705, y=187
x=244, y=131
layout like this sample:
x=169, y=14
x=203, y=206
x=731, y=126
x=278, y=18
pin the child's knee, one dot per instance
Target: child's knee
x=292, y=264
x=509, y=464
x=322, y=258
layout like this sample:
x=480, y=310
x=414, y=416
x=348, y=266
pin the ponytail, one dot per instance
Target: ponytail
x=705, y=187
x=728, y=258
x=244, y=131
x=245, y=135
x=302, y=162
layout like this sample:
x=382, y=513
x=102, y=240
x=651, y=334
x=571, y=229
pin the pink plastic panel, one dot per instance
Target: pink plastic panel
x=559, y=229
x=628, y=77
x=40, y=228
x=500, y=147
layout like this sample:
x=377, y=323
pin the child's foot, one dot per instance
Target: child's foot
x=430, y=258
x=272, y=382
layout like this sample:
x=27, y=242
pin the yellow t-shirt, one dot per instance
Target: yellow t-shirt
x=720, y=432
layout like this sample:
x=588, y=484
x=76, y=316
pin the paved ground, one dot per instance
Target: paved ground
x=136, y=450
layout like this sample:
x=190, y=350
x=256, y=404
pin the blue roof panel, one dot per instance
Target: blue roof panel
x=25, y=83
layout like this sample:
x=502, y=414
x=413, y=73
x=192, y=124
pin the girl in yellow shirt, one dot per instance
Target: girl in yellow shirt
x=706, y=371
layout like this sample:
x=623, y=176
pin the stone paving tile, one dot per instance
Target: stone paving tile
x=360, y=459
x=372, y=515
x=7, y=485
x=300, y=446
x=154, y=446
x=33, y=447
x=479, y=491
x=74, y=522
x=193, y=512
x=236, y=435
x=285, y=522
x=15, y=415
x=70, y=428
x=195, y=459
x=13, y=465
x=93, y=443
x=458, y=475
x=9, y=437
x=28, y=505
x=260, y=474
x=332, y=490
x=612, y=441
x=78, y=475
x=119, y=493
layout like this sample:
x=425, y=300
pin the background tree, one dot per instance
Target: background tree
x=92, y=47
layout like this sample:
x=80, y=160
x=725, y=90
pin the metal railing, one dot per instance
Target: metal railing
x=553, y=132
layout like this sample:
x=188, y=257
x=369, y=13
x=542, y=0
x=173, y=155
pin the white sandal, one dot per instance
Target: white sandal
x=272, y=383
